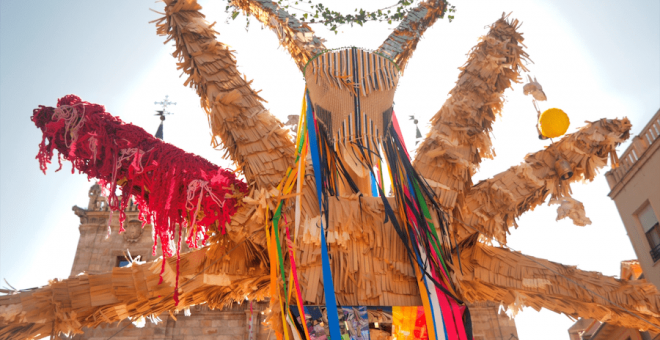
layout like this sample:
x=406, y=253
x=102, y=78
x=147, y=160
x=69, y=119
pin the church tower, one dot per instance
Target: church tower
x=99, y=253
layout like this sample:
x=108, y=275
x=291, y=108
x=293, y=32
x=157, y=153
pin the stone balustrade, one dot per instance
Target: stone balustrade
x=640, y=143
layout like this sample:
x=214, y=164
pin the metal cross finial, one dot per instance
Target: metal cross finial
x=164, y=111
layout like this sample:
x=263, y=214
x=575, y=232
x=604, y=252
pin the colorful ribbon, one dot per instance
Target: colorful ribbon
x=328, y=283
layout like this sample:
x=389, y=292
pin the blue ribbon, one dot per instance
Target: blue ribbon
x=328, y=284
x=374, y=185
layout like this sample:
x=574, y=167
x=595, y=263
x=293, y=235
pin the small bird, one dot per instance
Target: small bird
x=418, y=134
x=535, y=89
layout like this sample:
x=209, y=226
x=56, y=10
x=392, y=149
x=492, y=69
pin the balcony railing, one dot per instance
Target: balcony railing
x=640, y=143
x=655, y=253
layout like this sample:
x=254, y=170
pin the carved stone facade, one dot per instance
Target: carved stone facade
x=99, y=252
x=489, y=323
x=202, y=324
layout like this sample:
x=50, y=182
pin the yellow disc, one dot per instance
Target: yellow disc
x=553, y=123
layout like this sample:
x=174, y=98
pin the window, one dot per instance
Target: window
x=122, y=261
x=649, y=222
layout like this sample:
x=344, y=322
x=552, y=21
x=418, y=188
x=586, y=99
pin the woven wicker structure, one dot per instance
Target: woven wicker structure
x=369, y=261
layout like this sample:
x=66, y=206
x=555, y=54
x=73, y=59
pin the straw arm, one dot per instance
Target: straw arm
x=253, y=138
x=89, y=300
x=400, y=45
x=517, y=280
x=295, y=36
x=493, y=205
x=459, y=137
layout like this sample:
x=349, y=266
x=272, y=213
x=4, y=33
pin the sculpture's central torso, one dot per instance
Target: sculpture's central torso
x=352, y=91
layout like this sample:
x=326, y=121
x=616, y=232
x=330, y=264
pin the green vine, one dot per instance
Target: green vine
x=320, y=14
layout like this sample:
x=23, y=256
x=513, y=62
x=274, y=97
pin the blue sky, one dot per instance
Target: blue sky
x=595, y=59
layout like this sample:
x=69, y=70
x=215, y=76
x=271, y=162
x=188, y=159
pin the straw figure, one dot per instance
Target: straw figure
x=314, y=224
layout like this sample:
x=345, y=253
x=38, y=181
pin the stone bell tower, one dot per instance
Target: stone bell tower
x=99, y=253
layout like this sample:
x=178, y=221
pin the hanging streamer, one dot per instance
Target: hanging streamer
x=428, y=245
x=293, y=177
x=328, y=284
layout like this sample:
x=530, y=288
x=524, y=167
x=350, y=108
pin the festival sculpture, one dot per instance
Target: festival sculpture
x=313, y=223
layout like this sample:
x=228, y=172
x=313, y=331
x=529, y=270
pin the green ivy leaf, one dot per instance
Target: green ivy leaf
x=332, y=19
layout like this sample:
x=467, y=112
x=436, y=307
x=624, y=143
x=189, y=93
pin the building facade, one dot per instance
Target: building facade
x=99, y=252
x=635, y=189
